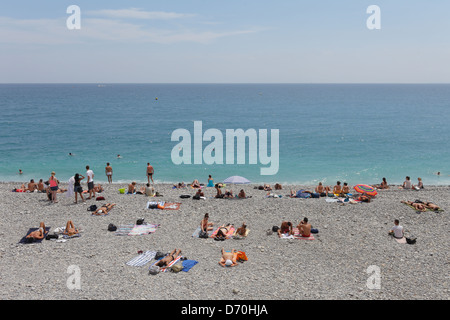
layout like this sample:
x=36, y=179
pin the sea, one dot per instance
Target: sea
x=354, y=133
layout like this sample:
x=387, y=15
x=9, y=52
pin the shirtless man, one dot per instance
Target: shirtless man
x=304, y=228
x=169, y=258
x=241, y=194
x=219, y=191
x=38, y=234
x=286, y=228
x=109, y=172
x=431, y=206
x=32, y=186
x=229, y=259
x=150, y=172
x=323, y=191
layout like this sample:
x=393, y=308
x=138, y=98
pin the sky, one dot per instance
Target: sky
x=209, y=41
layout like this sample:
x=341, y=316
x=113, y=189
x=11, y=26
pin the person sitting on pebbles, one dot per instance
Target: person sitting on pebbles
x=205, y=225
x=229, y=259
x=304, y=228
x=286, y=228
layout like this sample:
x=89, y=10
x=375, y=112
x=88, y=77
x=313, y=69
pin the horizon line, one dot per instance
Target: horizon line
x=214, y=83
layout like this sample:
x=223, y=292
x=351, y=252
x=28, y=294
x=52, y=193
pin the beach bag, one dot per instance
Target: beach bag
x=177, y=267
x=140, y=221
x=411, y=240
x=92, y=208
x=203, y=234
x=154, y=270
x=122, y=191
x=314, y=231
x=275, y=228
x=153, y=206
x=112, y=227
x=184, y=196
x=241, y=256
x=159, y=255
x=100, y=198
x=315, y=195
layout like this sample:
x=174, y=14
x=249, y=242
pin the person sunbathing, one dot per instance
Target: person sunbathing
x=229, y=259
x=132, y=187
x=205, y=225
x=180, y=185
x=38, y=234
x=323, y=191
x=242, y=230
x=345, y=189
x=104, y=209
x=168, y=258
x=304, y=228
x=223, y=231
x=228, y=194
x=337, y=189
x=70, y=229
x=241, y=194
x=267, y=187
x=98, y=188
x=286, y=228
x=219, y=194
x=416, y=205
x=278, y=186
x=431, y=206
x=195, y=184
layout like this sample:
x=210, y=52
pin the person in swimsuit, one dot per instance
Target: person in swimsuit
x=32, y=186
x=38, y=234
x=323, y=191
x=228, y=194
x=223, y=231
x=286, y=228
x=205, y=225
x=431, y=206
x=132, y=187
x=345, y=189
x=218, y=187
x=304, y=228
x=242, y=194
x=109, y=172
x=210, y=181
x=53, y=186
x=416, y=205
x=382, y=185
x=229, y=259
x=104, y=209
x=70, y=229
x=242, y=230
x=150, y=172
x=77, y=187
x=168, y=258
x=337, y=188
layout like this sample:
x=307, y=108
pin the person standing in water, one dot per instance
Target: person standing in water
x=109, y=172
x=150, y=172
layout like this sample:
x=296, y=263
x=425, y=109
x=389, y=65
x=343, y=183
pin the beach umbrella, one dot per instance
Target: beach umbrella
x=236, y=180
x=364, y=188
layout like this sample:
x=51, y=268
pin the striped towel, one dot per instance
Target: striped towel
x=142, y=259
x=136, y=230
x=298, y=236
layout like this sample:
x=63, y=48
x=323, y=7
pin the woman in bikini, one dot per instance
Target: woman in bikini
x=169, y=258
x=104, y=209
x=205, y=225
x=38, y=234
x=416, y=205
x=70, y=229
x=223, y=231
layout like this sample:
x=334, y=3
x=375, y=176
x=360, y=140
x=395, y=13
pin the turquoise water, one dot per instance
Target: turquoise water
x=353, y=133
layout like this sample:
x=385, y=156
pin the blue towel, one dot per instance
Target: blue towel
x=188, y=264
x=24, y=240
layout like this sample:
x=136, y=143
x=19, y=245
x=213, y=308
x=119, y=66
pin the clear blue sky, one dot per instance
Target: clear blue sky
x=208, y=41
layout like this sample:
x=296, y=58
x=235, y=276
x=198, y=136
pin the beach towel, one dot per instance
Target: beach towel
x=402, y=240
x=70, y=188
x=298, y=236
x=142, y=259
x=197, y=232
x=440, y=210
x=228, y=235
x=24, y=240
x=188, y=264
x=136, y=230
x=162, y=205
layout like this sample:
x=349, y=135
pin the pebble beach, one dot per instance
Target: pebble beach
x=334, y=266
